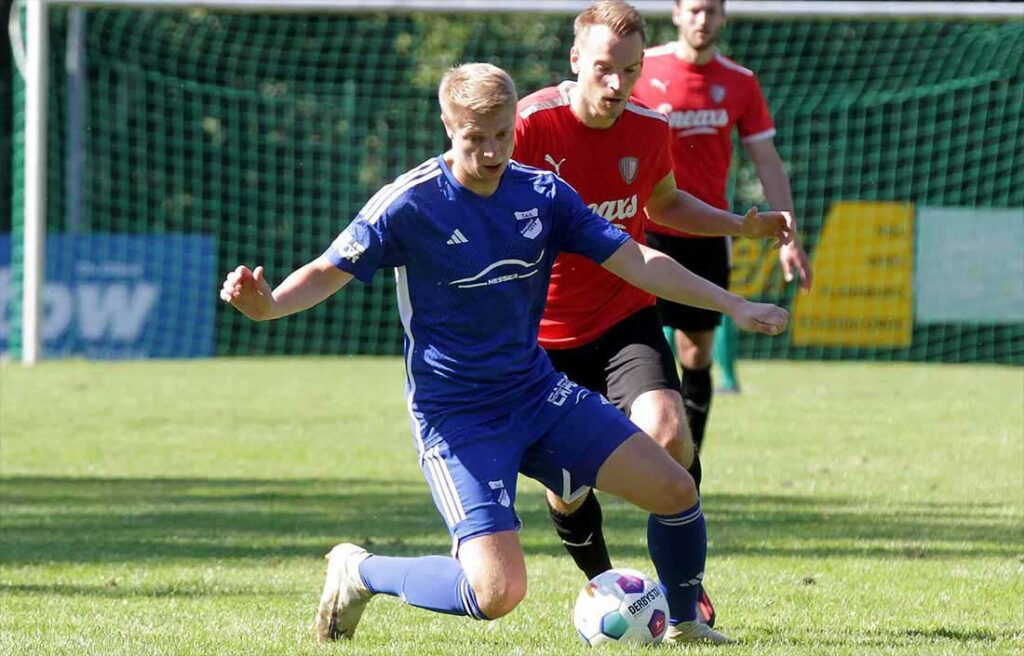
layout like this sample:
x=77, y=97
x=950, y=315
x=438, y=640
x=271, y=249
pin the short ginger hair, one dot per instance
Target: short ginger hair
x=620, y=17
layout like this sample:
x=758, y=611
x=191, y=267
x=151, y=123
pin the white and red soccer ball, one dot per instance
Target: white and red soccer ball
x=621, y=605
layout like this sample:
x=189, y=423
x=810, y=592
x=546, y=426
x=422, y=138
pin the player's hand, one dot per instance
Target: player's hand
x=793, y=257
x=249, y=292
x=767, y=225
x=761, y=318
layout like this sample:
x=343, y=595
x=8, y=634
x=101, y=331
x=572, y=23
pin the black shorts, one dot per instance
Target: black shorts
x=628, y=360
x=709, y=258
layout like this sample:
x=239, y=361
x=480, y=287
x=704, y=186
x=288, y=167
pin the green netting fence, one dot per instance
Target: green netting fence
x=268, y=132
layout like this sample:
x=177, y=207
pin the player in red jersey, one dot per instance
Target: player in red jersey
x=601, y=332
x=705, y=95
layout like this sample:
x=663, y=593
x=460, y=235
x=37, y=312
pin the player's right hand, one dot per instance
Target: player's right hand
x=766, y=225
x=761, y=318
x=249, y=292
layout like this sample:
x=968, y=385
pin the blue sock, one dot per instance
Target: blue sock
x=435, y=583
x=679, y=546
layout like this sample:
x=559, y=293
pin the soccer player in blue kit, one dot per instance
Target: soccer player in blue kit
x=472, y=236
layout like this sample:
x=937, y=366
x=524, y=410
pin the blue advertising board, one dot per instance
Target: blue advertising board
x=121, y=296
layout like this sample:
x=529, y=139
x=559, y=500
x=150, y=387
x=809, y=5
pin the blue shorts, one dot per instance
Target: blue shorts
x=559, y=435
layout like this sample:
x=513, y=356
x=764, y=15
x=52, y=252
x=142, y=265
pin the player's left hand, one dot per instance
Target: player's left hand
x=761, y=318
x=793, y=257
x=767, y=225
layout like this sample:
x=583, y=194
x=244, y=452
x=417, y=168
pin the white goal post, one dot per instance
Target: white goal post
x=35, y=54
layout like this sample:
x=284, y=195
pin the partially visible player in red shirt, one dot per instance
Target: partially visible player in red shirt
x=600, y=331
x=705, y=95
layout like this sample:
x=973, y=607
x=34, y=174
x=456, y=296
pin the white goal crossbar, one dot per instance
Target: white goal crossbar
x=846, y=9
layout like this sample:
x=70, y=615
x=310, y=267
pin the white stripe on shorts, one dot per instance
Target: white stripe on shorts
x=451, y=505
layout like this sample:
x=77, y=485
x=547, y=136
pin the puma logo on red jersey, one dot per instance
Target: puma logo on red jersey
x=558, y=165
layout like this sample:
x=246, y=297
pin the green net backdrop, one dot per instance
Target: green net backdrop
x=269, y=132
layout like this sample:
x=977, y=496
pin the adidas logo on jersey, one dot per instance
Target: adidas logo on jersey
x=457, y=238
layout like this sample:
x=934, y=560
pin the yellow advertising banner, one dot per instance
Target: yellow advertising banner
x=863, y=279
x=753, y=269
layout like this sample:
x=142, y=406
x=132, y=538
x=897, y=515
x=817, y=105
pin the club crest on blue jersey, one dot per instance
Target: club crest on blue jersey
x=528, y=223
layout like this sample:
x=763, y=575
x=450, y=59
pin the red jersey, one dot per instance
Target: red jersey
x=702, y=104
x=614, y=170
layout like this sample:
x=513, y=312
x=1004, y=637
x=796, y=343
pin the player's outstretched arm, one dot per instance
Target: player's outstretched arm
x=679, y=210
x=772, y=173
x=659, y=274
x=308, y=285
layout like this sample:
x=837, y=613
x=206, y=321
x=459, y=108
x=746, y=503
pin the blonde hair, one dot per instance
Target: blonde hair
x=480, y=88
x=620, y=17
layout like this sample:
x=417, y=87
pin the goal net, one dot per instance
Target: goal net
x=184, y=142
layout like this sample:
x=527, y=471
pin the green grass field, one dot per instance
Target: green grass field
x=183, y=508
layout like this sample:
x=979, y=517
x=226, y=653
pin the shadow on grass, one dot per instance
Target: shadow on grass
x=960, y=635
x=92, y=520
x=941, y=639
x=130, y=591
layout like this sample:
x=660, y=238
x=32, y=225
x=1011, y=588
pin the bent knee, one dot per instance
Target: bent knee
x=501, y=598
x=697, y=350
x=676, y=440
x=677, y=494
x=672, y=433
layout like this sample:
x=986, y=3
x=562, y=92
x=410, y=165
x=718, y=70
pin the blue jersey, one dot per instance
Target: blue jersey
x=472, y=276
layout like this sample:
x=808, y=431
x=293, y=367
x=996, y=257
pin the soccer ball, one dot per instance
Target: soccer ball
x=621, y=605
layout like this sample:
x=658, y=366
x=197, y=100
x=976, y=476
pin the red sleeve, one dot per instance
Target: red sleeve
x=525, y=143
x=663, y=164
x=756, y=120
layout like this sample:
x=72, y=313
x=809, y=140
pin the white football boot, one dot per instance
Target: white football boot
x=345, y=595
x=695, y=632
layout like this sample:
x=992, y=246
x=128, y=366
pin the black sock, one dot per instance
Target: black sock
x=695, y=471
x=696, y=391
x=583, y=537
